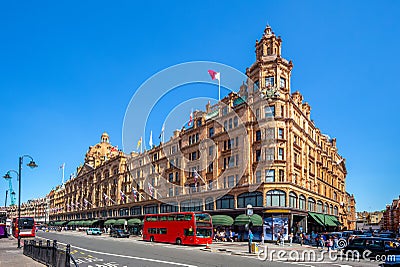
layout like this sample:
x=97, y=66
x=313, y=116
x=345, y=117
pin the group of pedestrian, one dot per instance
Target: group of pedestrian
x=330, y=242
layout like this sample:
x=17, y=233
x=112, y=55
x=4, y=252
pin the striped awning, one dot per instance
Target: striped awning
x=243, y=219
x=109, y=222
x=134, y=221
x=222, y=220
x=120, y=222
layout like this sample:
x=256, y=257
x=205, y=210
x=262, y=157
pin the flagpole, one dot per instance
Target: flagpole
x=219, y=88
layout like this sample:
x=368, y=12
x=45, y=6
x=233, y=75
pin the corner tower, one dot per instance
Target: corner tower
x=270, y=69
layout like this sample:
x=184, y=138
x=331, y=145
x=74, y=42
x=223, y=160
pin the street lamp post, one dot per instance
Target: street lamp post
x=32, y=165
x=249, y=213
x=5, y=202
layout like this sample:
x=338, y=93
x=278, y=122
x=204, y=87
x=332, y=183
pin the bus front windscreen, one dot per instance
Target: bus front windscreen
x=203, y=232
x=26, y=223
x=203, y=217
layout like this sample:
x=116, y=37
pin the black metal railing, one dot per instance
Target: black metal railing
x=49, y=253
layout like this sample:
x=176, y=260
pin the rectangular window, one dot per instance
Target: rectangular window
x=225, y=125
x=258, y=135
x=231, y=161
x=231, y=181
x=171, y=192
x=280, y=133
x=171, y=177
x=237, y=159
x=256, y=86
x=211, y=150
x=270, y=133
x=269, y=81
x=280, y=154
x=211, y=167
x=224, y=110
x=237, y=141
x=230, y=123
x=269, y=111
x=257, y=113
x=269, y=176
x=258, y=155
x=269, y=154
x=211, y=132
x=258, y=176
x=283, y=83
x=177, y=177
x=281, y=175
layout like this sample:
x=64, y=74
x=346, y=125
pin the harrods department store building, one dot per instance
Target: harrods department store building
x=258, y=146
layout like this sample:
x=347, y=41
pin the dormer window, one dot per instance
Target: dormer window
x=256, y=86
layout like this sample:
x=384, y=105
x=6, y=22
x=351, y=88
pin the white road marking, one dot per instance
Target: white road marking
x=129, y=257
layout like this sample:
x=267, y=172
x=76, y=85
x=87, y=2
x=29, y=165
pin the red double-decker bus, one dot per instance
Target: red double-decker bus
x=187, y=228
x=27, y=227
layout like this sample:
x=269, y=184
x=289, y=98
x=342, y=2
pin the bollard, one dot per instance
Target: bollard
x=54, y=253
x=67, y=255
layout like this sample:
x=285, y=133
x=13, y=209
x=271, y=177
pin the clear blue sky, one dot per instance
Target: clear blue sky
x=68, y=70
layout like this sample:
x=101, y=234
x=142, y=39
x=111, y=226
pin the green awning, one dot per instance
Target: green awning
x=334, y=221
x=59, y=223
x=79, y=223
x=109, y=222
x=71, y=223
x=243, y=219
x=120, y=222
x=87, y=223
x=319, y=218
x=94, y=221
x=134, y=221
x=222, y=220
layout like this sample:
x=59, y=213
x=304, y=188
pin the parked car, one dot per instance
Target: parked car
x=377, y=246
x=93, y=231
x=392, y=261
x=119, y=233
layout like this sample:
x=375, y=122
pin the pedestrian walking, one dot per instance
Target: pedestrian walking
x=290, y=239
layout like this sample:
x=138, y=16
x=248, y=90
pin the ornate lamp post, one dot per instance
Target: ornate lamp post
x=32, y=165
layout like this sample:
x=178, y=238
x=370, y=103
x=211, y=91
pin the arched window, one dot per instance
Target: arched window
x=302, y=202
x=225, y=202
x=335, y=211
x=253, y=198
x=276, y=198
x=209, y=203
x=326, y=208
x=293, y=200
x=311, y=204
x=319, y=206
x=331, y=209
x=192, y=205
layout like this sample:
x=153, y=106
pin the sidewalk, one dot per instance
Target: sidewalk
x=241, y=248
x=10, y=255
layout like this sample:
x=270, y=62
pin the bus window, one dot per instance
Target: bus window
x=151, y=218
x=188, y=232
x=163, y=231
x=201, y=232
x=202, y=217
x=180, y=217
x=152, y=230
x=163, y=218
x=188, y=217
x=171, y=218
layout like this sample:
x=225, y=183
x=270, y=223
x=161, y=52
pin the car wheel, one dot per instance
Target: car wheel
x=178, y=241
x=151, y=239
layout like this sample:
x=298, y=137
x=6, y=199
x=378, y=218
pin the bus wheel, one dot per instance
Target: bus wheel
x=178, y=241
x=151, y=239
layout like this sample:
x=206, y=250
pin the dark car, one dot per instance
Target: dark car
x=376, y=245
x=392, y=261
x=119, y=233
